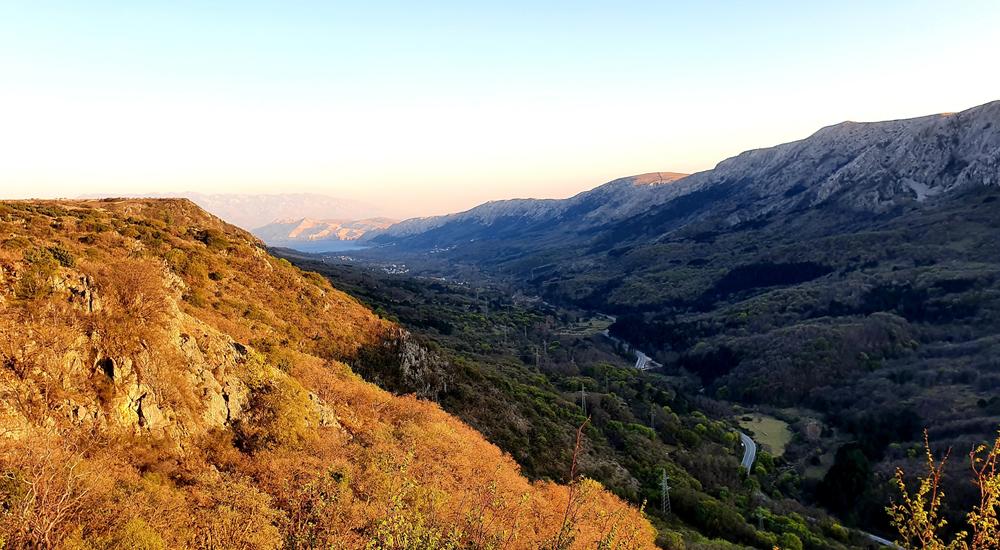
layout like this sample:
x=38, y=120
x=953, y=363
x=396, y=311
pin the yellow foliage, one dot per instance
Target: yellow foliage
x=917, y=515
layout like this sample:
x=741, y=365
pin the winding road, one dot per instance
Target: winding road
x=882, y=542
x=749, y=451
x=644, y=362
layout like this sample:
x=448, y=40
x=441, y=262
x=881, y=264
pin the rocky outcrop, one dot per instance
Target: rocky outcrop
x=401, y=364
x=192, y=382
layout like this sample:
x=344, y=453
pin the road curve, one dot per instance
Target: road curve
x=882, y=542
x=749, y=451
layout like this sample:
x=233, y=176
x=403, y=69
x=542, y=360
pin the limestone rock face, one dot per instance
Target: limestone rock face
x=192, y=381
x=80, y=288
x=401, y=363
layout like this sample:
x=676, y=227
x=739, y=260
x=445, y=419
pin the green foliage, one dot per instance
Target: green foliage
x=136, y=534
x=847, y=480
x=214, y=239
x=789, y=541
x=63, y=256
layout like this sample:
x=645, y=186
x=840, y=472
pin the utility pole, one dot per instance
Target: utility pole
x=583, y=399
x=665, y=493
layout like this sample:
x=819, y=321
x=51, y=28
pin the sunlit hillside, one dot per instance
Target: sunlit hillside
x=166, y=383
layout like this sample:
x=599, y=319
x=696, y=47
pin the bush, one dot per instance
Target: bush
x=213, y=239
x=63, y=256
x=135, y=535
x=789, y=541
x=135, y=306
x=277, y=413
x=35, y=280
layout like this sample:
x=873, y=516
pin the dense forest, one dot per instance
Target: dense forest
x=525, y=373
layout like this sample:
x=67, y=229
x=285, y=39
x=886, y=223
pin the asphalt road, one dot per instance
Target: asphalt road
x=881, y=541
x=749, y=451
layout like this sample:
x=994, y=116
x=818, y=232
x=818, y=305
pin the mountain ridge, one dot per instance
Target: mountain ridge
x=865, y=167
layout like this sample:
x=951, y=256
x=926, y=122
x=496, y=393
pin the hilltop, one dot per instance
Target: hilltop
x=165, y=382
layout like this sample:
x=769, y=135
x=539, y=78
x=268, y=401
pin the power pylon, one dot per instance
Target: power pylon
x=665, y=493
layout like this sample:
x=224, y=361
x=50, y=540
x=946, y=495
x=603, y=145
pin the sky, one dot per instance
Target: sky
x=434, y=107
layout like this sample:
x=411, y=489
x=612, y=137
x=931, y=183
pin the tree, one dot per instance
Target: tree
x=917, y=516
x=847, y=479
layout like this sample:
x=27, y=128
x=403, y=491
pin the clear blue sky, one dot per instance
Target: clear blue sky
x=437, y=107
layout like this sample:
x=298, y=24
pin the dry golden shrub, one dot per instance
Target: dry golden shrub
x=134, y=308
x=46, y=491
x=917, y=516
x=388, y=472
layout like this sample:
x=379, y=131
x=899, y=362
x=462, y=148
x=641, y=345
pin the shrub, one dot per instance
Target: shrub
x=63, y=256
x=278, y=412
x=789, y=541
x=135, y=306
x=35, y=280
x=918, y=516
x=135, y=535
x=212, y=238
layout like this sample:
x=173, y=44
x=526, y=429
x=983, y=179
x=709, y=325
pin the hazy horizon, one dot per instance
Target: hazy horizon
x=435, y=110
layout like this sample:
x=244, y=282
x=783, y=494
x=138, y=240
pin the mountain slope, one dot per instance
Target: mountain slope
x=860, y=168
x=167, y=383
x=511, y=218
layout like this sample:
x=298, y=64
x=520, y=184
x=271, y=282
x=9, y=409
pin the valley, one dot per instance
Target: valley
x=847, y=285
x=499, y=276
x=516, y=368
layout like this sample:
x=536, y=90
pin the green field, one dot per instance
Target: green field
x=773, y=434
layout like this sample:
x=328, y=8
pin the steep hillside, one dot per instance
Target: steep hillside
x=167, y=383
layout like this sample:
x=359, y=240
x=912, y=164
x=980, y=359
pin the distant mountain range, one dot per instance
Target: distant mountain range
x=311, y=235
x=249, y=211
